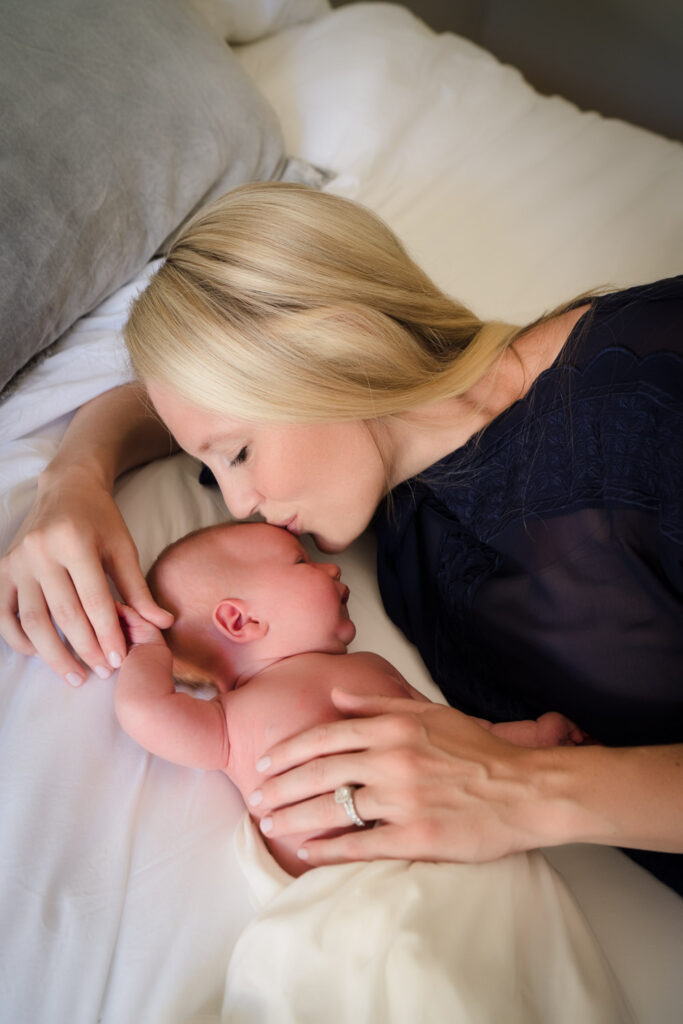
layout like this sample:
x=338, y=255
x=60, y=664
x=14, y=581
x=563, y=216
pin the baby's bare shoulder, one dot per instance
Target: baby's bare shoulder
x=374, y=673
x=370, y=660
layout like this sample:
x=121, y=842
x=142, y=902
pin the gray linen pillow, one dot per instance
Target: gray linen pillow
x=118, y=118
x=244, y=21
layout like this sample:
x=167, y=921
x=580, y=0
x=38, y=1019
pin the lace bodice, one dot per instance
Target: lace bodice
x=540, y=566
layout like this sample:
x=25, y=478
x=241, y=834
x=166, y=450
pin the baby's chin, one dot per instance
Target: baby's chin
x=348, y=632
x=344, y=634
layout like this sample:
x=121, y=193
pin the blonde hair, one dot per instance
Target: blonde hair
x=281, y=303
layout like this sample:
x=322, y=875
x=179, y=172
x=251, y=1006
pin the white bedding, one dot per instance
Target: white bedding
x=415, y=942
x=122, y=898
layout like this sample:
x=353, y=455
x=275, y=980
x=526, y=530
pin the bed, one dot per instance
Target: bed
x=122, y=895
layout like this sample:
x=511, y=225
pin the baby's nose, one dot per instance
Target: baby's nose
x=332, y=570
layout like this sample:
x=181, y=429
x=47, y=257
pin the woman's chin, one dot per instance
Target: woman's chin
x=327, y=546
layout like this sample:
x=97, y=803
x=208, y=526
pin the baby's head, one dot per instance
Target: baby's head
x=245, y=595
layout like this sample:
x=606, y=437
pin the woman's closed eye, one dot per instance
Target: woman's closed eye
x=240, y=457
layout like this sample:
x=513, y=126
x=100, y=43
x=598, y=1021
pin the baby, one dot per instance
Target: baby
x=269, y=629
x=365, y=941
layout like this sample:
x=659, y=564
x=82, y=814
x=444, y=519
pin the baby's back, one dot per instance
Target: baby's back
x=287, y=698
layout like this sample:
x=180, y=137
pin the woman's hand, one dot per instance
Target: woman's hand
x=54, y=575
x=441, y=786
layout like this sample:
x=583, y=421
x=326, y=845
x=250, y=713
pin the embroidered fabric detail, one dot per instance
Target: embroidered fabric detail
x=623, y=440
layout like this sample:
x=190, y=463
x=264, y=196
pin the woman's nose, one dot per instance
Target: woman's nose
x=242, y=501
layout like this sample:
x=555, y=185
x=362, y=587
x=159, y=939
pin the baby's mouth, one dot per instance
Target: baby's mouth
x=345, y=594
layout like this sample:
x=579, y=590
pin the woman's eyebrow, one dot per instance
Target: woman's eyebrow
x=210, y=441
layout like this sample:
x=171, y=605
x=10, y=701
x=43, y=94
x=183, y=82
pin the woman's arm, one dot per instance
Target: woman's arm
x=613, y=796
x=113, y=433
x=446, y=789
x=173, y=725
x=54, y=571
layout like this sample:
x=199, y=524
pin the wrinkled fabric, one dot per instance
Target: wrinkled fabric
x=408, y=942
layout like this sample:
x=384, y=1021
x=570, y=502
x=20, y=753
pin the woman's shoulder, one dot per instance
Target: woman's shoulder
x=668, y=288
x=604, y=420
x=644, y=320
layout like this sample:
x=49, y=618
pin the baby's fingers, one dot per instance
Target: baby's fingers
x=137, y=629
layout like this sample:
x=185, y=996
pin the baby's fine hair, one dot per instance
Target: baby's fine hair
x=281, y=303
x=193, y=661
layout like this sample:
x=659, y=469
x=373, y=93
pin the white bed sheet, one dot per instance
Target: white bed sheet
x=122, y=898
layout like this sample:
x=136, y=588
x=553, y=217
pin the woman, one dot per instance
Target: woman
x=531, y=545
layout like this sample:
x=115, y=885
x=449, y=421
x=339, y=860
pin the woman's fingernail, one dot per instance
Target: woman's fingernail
x=262, y=764
x=102, y=671
x=266, y=824
x=256, y=797
x=302, y=853
x=115, y=659
x=73, y=679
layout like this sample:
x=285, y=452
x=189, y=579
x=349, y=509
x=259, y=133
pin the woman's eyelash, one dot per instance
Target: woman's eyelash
x=240, y=457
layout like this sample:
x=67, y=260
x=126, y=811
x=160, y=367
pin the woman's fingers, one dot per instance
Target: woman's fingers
x=321, y=775
x=318, y=742
x=55, y=580
x=83, y=609
x=448, y=788
x=320, y=814
x=386, y=842
x=10, y=626
x=397, y=720
x=131, y=584
x=362, y=704
x=36, y=623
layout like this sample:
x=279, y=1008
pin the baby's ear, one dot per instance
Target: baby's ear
x=232, y=618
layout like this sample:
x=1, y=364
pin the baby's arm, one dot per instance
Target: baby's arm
x=172, y=725
x=372, y=674
x=550, y=730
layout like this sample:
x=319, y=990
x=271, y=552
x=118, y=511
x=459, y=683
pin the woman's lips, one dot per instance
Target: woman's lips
x=289, y=524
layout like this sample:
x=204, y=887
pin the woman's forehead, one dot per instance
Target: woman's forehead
x=205, y=428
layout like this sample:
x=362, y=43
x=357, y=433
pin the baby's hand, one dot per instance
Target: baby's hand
x=136, y=629
x=550, y=730
x=556, y=730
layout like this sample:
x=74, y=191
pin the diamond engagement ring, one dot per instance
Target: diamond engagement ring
x=344, y=795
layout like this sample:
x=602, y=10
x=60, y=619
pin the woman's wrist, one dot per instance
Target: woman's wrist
x=555, y=810
x=90, y=468
x=612, y=796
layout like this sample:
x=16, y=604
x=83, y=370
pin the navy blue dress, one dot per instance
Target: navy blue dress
x=540, y=566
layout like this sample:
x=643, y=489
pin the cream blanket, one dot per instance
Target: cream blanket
x=400, y=942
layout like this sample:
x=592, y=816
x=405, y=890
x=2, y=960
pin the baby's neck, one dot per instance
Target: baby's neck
x=236, y=676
